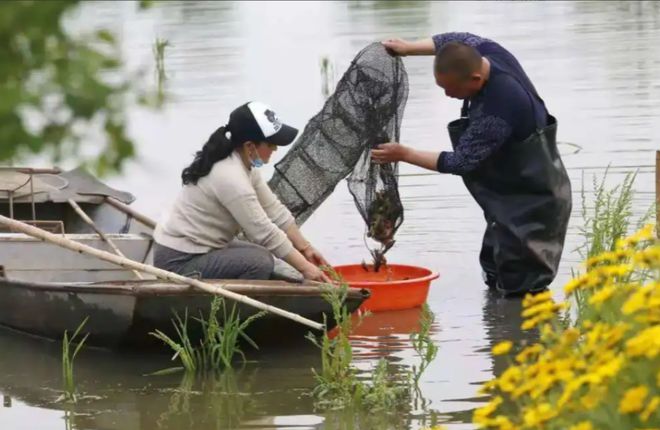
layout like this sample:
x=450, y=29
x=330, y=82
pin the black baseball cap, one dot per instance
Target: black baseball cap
x=257, y=122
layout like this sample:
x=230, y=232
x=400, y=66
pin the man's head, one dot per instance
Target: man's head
x=458, y=70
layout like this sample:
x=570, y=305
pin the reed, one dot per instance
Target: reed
x=161, y=77
x=338, y=384
x=327, y=76
x=606, y=221
x=71, y=346
x=219, y=344
x=423, y=344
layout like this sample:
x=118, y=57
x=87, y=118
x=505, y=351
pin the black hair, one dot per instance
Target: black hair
x=458, y=58
x=217, y=148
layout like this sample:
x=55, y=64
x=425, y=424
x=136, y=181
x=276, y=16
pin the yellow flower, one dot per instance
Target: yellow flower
x=574, y=284
x=593, y=397
x=510, y=379
x=646, y=343
x=533, y=299
x=570, y=389
x=488, y=386
x=529, y=352
x=481, y=414
x=633, y=400
x=650, y=408
x=540, y=308
x=636, y=302
x=584, y=425
x=502, y=423
x=610, y=369
x=535, y=416
x=602, y=295
x=648, y=257
x=502, y=347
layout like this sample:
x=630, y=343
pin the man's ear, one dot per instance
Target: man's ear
x=476, y=77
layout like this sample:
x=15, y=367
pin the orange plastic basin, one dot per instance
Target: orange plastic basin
x=394, y=287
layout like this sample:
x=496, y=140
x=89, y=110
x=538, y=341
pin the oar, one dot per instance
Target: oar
x=131, y=212
x=159, y=273
x=98, y=231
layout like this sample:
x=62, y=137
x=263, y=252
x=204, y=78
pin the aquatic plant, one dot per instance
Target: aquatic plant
x=214, y=400
x=219, y=344
x=159, y=56
x=602, y=373
x=327, y=76
x=423, y=344
x=338, y=383
x=68, y=358
x=606, y=222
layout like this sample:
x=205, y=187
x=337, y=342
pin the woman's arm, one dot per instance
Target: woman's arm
x=305, y=247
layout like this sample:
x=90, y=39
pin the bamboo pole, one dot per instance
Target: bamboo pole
x=657, y=193
x=131, y=212
x=159, y=273
x=105, y=238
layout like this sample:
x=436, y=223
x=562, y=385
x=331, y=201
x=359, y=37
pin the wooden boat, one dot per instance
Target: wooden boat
x=122, y=314
x=45, y=289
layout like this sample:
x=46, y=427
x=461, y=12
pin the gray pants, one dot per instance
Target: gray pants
x=239, y=260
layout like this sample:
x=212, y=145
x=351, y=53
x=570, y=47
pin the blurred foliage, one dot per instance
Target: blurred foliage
x=55, y=87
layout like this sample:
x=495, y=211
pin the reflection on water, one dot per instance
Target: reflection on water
x=596, y=65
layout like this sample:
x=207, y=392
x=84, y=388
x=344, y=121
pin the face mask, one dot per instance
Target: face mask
x=257, y=162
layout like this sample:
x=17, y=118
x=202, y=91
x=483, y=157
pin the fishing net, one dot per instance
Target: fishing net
x=365, y=110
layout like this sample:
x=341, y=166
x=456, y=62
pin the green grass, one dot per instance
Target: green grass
x=219, y=345
x=69, y=353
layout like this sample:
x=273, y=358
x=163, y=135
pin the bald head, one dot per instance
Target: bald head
x=460, y=70
x=459, y=59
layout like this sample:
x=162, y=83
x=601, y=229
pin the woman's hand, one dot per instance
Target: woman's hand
x=313, y=273
x=313, y=256
x=389, y=153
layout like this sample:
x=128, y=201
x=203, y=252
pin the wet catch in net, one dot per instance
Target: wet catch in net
x=364, y=111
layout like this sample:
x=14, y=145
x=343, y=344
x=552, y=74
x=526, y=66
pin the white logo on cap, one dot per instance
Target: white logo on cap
x=266, y=118
x=272, y=117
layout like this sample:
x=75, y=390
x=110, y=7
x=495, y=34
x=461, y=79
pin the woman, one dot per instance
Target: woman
x=223, y=193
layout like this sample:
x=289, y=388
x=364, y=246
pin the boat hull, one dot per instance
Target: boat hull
x=123, y=314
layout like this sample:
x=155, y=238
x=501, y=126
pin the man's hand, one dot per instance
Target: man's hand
x=389, y=153
x=403, y=47
x=394, y=152
x=397, y=47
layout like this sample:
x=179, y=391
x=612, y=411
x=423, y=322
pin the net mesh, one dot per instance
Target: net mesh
x=365, y=110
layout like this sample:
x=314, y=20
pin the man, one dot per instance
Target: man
x=505, y=150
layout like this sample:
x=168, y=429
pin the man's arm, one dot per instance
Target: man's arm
x=483, y=137
x=394, y=152
x=431, y=45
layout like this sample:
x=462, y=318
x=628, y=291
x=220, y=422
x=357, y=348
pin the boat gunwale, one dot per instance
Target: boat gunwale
x=152, y=288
